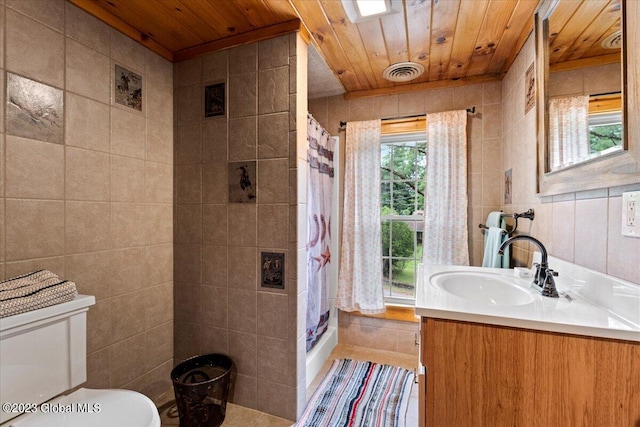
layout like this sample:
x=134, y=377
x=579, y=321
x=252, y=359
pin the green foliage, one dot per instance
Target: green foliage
x=604, y=137
x=397, y=241
x=403, y=172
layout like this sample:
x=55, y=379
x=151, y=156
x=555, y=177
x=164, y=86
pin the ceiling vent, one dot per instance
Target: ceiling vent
x=613, y=41
x=403, y=71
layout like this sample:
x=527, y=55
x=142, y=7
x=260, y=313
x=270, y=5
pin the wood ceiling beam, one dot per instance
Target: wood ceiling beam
x=126, y=29
x=265, y=33
x=438, y=84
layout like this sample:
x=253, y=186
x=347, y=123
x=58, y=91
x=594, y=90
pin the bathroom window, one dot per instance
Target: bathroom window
x=605, y=133
x=403, y=163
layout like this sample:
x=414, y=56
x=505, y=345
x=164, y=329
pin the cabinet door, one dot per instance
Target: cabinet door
x=484, y=375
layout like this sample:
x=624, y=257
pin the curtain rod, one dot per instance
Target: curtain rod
x=470, y=110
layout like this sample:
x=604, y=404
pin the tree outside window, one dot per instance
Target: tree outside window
x=605, y=132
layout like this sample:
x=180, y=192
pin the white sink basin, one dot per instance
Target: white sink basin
x=590, y=304
x=486, y=288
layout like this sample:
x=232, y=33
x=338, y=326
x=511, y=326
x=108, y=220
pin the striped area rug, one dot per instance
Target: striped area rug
x=360, y=394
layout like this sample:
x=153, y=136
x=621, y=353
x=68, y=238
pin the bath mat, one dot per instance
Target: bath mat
x=359, y=394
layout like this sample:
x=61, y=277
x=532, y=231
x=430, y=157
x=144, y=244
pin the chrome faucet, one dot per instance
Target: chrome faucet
x=543, y=281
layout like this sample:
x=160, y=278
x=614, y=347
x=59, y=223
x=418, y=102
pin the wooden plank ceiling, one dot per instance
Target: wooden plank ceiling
x=578, y=28
x=457, y=41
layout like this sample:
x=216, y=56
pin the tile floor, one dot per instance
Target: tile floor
x=238, y=416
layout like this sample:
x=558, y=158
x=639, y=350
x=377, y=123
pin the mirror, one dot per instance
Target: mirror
x=585, y=82
x=585, y=134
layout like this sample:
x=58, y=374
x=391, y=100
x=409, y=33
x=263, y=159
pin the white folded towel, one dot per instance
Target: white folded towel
x=494, y=219
x=492, y=240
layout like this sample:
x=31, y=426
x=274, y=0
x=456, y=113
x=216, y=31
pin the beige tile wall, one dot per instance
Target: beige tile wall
x=581, y=227
x=219, y=303
x=585, y=81
x=97, y=209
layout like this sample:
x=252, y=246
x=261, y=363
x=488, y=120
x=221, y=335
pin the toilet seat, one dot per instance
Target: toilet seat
x=122, y=408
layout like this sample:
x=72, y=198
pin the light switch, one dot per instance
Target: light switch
x=631, y=214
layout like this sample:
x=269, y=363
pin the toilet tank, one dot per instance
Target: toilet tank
x=43, y=352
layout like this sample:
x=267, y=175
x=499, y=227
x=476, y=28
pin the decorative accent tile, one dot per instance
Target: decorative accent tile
x=530, y=94
x=127, y=88
x=214, y=100
x=34, y=110
x=508, y=180
x=272, y=270
x=242, y=182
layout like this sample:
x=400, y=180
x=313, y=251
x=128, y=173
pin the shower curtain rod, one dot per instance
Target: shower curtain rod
x=470, y=110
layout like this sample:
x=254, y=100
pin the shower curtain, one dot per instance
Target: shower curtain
x=319, y=202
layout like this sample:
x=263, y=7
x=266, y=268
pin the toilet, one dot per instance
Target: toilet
x=43, y=354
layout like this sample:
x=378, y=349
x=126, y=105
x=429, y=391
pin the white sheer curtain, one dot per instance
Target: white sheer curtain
x=568, y=130
x=360, y=278
x=445, y=235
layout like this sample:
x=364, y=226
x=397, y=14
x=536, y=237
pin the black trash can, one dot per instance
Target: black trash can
x=201, y=386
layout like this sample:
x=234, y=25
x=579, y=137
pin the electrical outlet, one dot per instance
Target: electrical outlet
x=631, y=214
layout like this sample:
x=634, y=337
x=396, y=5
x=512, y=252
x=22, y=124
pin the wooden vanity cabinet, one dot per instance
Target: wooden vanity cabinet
x=484, y=375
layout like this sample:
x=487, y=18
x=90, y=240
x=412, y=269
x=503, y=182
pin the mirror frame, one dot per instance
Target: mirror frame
x=609, y=171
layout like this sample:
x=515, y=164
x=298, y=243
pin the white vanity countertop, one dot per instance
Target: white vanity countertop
x=599, y=305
